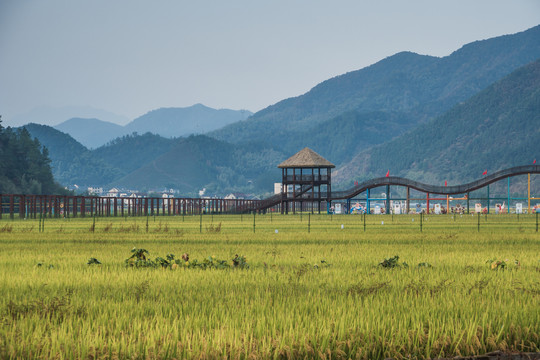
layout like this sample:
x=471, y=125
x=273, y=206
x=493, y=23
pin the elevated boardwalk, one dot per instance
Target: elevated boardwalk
x=416, y=185
x=32, y=206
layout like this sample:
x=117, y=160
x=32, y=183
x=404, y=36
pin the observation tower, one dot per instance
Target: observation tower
x=306, y=177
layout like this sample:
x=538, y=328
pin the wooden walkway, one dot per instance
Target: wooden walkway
x=32, y=206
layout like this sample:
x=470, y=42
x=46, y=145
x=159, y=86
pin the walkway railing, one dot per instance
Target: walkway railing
x=32, y=206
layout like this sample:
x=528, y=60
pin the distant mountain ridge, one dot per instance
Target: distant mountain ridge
x=91, y=132
x=496, y=129
x=196, y=119
x=166, y=122
x=418, y=86
x=55, y=115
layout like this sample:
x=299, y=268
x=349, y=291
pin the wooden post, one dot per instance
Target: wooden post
x=488, y=199
x=294, y=192
x=329, y=184
x=387, y=199
x=11, y=206
x=22, y=206
x=283, y=189
x=51, y=205
x=368, y=205
x=508, y=193
x=529, y=192
x=408, y=200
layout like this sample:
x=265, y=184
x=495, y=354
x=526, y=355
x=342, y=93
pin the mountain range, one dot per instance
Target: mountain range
x=423, y=117
x=167, y=122
x=495, y=129
x=409, y=86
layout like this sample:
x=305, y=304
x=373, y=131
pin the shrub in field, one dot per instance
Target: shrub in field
x=240, y=262
x=495, y=264
x=164, y=263
x=93, y=261
x=212, y=262
x=139, y=259
x=425, y=265
x=392, y=262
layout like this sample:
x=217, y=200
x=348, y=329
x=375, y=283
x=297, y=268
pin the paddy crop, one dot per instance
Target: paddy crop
x=311, y=289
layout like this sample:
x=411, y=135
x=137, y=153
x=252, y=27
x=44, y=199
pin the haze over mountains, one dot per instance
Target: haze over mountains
x=167, y=122
x=420, y=116
x=48, y=115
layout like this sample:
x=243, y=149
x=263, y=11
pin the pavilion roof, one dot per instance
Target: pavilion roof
x=306, y=158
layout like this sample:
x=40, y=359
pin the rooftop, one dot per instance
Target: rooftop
x=306, y=158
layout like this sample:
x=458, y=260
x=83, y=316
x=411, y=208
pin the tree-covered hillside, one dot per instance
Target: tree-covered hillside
x=496, y=129
x=420, y=87
x=198, y=162
x=24, y=164
x=130, y=152
x=72, y=163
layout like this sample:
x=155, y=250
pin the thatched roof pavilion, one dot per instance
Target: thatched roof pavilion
x=306, y=179
x=306, y=158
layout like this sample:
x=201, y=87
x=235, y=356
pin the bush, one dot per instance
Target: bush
x=393, y=262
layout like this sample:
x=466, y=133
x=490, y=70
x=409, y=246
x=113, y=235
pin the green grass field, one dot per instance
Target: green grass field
x=312, y=290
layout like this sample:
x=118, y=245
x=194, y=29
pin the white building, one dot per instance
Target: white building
x=95, y=190
x=113, y=192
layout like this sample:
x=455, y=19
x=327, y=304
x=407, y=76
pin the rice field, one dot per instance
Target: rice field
x=314, y=288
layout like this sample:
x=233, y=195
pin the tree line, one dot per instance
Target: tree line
x=25, y=164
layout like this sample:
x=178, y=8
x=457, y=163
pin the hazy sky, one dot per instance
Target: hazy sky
x=129, y=56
